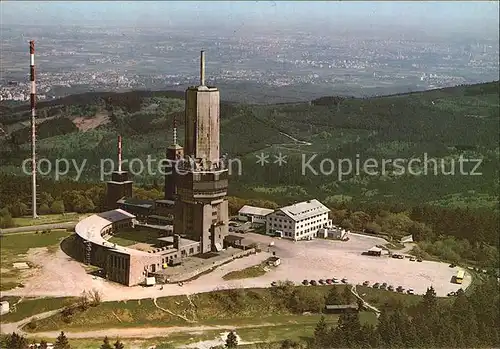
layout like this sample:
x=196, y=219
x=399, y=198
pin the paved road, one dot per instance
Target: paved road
x=17, y=326
x=132, y=332
x=31, y=228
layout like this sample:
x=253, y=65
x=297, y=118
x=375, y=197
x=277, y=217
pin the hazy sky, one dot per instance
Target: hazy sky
x=459, y=14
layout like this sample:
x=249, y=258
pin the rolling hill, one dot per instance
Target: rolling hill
x=441, y=124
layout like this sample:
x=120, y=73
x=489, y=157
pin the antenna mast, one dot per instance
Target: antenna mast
x=175, y=131
x=202, y=69
x=119, y=153
x=33, y=127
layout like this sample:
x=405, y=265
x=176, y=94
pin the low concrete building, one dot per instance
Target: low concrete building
x=340, y=308
x=300, y=221
x=374, y=251
x=406, y=239
x=233, y=241
x=4, y=307
x=253, y=214
x=122, y=264
x=142, y=209
x=335, y=233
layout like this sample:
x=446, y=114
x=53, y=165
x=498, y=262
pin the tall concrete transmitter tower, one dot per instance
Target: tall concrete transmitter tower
x=201, y=207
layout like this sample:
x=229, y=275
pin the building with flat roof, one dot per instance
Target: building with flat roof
x=123, y=264
x=334, y=232
x=253, y=214
x=300, y=221
x=374, y=251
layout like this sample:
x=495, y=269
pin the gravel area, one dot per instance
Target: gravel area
x=59, y=275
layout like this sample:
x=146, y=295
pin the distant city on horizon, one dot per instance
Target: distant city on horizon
x=268, y=51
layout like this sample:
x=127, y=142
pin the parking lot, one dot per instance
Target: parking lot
x=326, y=259
x=311, y=260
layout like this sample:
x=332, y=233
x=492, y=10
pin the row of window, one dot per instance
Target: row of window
x=117, y=262
x=318, y=221
x=306, y=221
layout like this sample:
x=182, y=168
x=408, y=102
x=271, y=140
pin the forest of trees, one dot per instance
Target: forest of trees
x=452, y=234
x=466, y=321
x=469, y=321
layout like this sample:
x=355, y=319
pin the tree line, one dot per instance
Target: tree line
x=452, y=234
x=16, y=341
x=466, y=321
x=469, y=321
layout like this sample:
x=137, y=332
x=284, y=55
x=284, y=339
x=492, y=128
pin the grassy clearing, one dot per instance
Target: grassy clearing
x=228, y=307
x=131, y=236
x=250, y=272
x=296, y=327
x=13, y=248
x=32, y=306
x=49, y=219
x=394, y=246
x=8, y=285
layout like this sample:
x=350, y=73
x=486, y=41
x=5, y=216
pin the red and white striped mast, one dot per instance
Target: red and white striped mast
x=33, y=126
x=119, y=153
x=175, y=131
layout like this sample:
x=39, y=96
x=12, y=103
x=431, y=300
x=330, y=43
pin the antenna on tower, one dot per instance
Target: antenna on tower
x=33, y=126
x=175, y=131
x=119, y=153
x=202, y=69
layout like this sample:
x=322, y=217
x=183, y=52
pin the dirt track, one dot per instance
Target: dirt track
x=59, y=275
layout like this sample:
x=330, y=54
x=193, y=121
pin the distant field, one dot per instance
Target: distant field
x=13, y=248
x=296, y=328
x=49, y=219
x=228, y=308
x=32, y=306
x=443, y=123
x=131, y=236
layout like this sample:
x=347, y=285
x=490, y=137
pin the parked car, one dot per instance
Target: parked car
x=382, y=287
x=400, y=256
x=344, y=280
x=384, y=284
x=376, y=285
x=419, y=260
x=452, y=265
x=313, y=282
x=335, y=281
x=390, y=288
x=412, y=259
x=400, y=289
x=274, y=283
x=321, y=281
x=305, y=282
x=395, y=256
x=410, y=291
x=451, y=294
x=366, y=283
x=329, y=281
